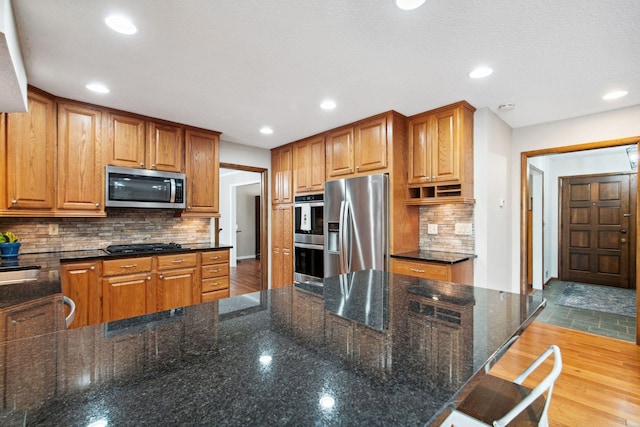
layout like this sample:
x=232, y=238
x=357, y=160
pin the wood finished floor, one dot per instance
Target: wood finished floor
x=245, y=277
x=600, y=380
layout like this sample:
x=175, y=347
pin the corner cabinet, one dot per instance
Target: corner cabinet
x=309, y=165
x=202, y=165
x=361, y=148
x=282, y=173
x=28, y=144
x=440, y=168
x=80, y=175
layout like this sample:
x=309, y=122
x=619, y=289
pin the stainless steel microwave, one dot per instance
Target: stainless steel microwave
x=143, y=188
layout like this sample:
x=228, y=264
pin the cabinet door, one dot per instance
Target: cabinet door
x=29, y=156
x=419, y=166
x=81, y=283
x=127, y=296
x=445, y=148
x=340, y=153
x=126, y=146
x=282, y=246
x=309, y=165
x=165, y=147
x=79, y=158
x=174, y=288
x=202, y=170
x=371, y=145
x=282, y=169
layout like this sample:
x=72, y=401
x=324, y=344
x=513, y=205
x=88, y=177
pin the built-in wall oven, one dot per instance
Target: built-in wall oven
x=308, y=238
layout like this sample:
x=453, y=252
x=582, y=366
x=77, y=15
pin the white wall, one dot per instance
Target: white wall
x=615, y=124
x=492, y=150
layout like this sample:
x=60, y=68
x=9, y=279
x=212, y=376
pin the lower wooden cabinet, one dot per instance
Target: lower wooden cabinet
x=174, y=286
x=215, y=275
x=29, y=383
x=461, y=272
x=282, y=246
x=81, y=283
x=127, y=296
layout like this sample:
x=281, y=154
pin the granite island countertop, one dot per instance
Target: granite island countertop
x=441, y=257
x=349, y=352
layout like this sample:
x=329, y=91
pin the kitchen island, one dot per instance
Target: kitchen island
x=367, y=348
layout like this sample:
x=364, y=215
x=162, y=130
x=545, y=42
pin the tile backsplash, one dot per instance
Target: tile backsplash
x=119, y=227
x=446, y=217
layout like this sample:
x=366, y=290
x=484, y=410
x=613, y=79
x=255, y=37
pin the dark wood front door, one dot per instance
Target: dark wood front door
x=596, y=229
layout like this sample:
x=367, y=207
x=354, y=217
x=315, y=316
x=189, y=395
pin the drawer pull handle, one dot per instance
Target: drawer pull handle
x=415, y=270
x=214, y=271
x=177, y=261
x=129, y=266
x=217, y=257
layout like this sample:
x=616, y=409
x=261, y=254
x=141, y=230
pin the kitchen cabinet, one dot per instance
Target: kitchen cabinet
x=134, y=142
x=460, y=272
x=282, y=246
x=309, y=165
x=308, y=317
x=121, y=355
x=215, y=275
x=202, y=171
x=25, y=357
x=79, y=159
x=128, y=288
x=282, y=172
x=440, y=168
x=176, y=280
x=361, y=148
x=81, y=283
x=28, y=144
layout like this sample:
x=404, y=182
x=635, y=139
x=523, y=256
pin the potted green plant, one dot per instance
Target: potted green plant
x=9, y=245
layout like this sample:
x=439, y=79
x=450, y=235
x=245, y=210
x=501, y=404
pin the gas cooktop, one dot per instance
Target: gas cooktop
x=141, y=248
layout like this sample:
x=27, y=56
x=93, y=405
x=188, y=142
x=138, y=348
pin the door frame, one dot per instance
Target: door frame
x=537, y=227
x=264, y=197
x=524, y=196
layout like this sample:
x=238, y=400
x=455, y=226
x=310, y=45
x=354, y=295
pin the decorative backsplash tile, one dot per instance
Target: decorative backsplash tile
x=446, y=217
x=120, y=227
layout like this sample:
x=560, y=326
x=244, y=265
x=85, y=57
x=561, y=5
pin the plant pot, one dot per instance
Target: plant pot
x=9, y=250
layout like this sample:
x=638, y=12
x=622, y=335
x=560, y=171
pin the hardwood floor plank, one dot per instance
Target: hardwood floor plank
x=245, y=277
x=600, y=381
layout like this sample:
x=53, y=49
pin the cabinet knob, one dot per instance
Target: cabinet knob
x=141, y=165
x=153, y=166
x=433, y=177
x=97, y=205
x=161, y=277
x=14, y=201
x=148, y=277
x=188, y=207
x=92, y=268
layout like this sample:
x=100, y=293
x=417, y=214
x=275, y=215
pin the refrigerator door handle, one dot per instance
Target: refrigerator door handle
x=348, y=218
x=343, y=244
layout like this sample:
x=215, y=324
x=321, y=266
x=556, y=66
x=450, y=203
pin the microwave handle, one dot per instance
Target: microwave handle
x=173, y=190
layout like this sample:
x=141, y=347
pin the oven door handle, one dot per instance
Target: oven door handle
x=308, y=246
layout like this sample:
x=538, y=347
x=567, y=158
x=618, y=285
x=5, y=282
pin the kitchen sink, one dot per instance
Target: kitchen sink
x=19, y=276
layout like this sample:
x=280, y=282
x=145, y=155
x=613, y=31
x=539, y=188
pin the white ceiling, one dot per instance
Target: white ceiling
x=235, y=66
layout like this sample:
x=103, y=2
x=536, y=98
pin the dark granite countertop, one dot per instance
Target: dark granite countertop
x=435, y=256
x=358, y=351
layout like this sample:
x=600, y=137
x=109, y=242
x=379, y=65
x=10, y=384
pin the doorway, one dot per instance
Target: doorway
x=243, y=224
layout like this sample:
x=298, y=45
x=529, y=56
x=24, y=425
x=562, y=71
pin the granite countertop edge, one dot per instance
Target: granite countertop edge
x=441, y=257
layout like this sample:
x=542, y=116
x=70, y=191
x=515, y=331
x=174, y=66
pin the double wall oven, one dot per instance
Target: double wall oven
x=308, y=238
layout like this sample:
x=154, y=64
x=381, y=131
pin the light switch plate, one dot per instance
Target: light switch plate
x=463, y=228
x=432, y=228
x=53, y=229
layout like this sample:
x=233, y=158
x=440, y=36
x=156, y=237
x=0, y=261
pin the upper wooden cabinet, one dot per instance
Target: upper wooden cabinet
x=440, y=168
x=361, y=148
x=138, y=143
x=80, y=174
x=28, y=144
x=282, y=174
x=309, y=165
x=202, y=170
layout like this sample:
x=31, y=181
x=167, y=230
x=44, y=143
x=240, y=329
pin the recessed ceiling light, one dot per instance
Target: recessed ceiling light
x=266, y=130
x=97, y=87
x=480, y=72
x=409, y=4
x=328, y=105
x=121, y=24
x=615, y=95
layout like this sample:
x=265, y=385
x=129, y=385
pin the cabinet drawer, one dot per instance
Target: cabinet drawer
x=126, y=266
x=421, y=269
x=215, y=270
x=169, y=262
x=215, y=257
x=215, y=284
x=215, y=295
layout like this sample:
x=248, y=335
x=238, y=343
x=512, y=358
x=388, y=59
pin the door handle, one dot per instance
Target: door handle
x=623, y=240
x=623, y=231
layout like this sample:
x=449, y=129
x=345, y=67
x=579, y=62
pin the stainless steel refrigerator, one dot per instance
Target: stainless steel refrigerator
x=356, y=229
